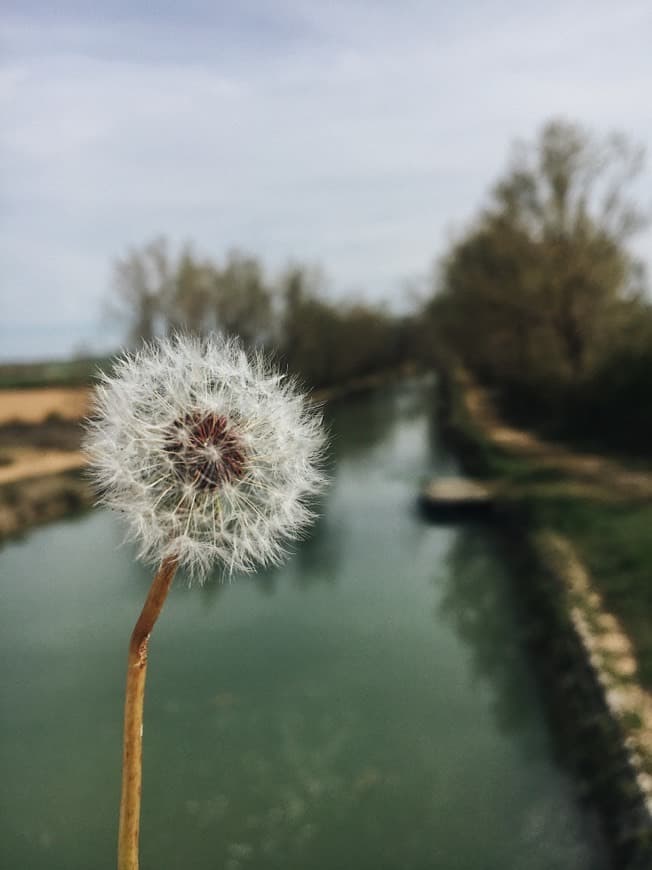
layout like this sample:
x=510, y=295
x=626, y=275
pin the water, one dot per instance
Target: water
x=367, y=706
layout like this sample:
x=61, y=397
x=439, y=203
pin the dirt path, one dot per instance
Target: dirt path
x=35, y=406
x=588, y=467
x=27, y=463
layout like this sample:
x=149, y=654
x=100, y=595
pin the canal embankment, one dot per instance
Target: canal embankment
x=575, y=529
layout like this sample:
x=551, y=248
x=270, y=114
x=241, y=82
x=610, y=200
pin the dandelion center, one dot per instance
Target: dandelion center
x=205, y=450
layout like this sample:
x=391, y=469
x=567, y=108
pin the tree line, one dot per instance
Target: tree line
x=156, y=292
x=542, y=297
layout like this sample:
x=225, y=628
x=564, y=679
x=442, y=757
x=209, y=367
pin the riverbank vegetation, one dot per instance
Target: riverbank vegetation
x=543, y=299
x=545, y=307
x=605, y=509
x=614, y=542
x=45, y=374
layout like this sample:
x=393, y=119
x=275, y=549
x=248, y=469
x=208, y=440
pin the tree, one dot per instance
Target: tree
x=321, y=340
x=141, y=285
x=242, y=301
x=330, y=342
x=307, y=325
x=188, y=299
x=156, y=293
x=538, y=285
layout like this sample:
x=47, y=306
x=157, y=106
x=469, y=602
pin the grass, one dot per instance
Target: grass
x=615, y=542
x=612, y=536
x=64, y=373
x=613, y=539
x=521, y=471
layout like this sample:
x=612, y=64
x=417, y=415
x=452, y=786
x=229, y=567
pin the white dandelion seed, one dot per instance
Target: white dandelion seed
x=211, y=455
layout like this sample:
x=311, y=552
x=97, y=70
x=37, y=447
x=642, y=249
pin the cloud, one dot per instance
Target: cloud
x=354, y=134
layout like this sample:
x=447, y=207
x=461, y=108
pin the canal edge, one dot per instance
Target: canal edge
x=600, y=715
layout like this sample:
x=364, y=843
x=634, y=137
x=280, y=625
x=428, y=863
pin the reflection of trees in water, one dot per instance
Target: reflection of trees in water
x=443, y=458
x=357, y=424
x=317, y=559
x=362, y=422
x=477, y=601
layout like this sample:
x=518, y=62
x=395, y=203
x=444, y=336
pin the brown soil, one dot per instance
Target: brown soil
x=36, y=406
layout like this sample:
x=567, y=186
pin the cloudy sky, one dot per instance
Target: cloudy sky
x=352, y=133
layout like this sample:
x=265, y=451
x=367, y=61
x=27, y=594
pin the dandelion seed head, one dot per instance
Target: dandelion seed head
x=211, y=455
x=206, y=450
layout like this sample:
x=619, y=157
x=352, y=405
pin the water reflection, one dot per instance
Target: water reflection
x=374, y=418
x=318, y=559
x=477, y=601
x=315, y=560
x=316, y=715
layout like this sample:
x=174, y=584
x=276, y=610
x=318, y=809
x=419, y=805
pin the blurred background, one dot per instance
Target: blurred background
x=437, y=217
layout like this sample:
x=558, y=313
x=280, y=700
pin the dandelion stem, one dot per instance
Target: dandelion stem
x=133, y=722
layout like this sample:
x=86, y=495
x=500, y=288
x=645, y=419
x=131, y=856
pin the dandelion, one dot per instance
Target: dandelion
x=212, y=457
x=209, y=455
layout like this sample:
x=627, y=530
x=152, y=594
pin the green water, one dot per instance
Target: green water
x=367, y=706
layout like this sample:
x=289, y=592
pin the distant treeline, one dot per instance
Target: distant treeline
x=543, y=300
x=324, y=341
x=79, y=371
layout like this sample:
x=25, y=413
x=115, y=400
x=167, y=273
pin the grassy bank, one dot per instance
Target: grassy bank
x=610, y=527
x=576, y=528
x=59, y=373
x=615, y=543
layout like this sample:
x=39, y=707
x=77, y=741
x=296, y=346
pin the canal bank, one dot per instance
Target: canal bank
x=587, y=665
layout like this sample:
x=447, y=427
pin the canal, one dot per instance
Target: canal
x=367, y=706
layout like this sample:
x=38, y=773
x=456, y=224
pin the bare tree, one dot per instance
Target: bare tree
x=242, y=300
x=188, y=299
x=141, y=281
x=543, y=277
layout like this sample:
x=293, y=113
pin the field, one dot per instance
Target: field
x=40, y=435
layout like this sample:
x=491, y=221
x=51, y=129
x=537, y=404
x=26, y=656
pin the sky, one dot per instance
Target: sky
x=359, y=135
